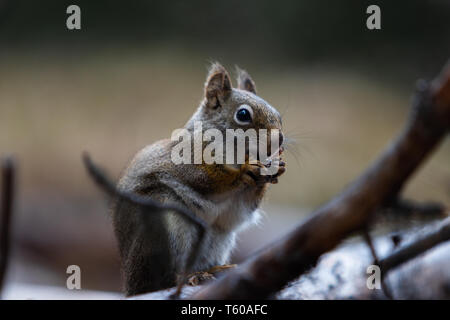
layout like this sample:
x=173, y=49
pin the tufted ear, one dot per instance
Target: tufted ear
x=217, y=86
x=245, y=82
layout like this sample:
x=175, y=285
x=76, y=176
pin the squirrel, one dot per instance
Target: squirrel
x=225, y=196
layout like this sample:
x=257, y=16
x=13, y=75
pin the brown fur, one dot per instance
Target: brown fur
x=153, y=245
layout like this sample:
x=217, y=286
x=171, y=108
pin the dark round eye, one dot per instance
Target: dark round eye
x=243, y=115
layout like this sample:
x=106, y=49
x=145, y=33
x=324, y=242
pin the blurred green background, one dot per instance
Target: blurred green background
x=135, y=72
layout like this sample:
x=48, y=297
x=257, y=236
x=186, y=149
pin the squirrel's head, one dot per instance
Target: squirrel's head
x=224, y=107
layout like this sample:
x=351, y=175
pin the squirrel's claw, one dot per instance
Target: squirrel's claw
x=281, y=170
x=252, y=174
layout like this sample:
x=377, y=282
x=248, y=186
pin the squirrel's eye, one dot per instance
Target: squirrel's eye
x=244, y=114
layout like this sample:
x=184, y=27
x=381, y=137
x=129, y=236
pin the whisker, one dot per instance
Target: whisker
x=297, y=150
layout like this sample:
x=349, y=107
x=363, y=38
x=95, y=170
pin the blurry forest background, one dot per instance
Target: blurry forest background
x=135, y=72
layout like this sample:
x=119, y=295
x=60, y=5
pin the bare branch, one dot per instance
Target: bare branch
x=272, y=268
x=8, y=179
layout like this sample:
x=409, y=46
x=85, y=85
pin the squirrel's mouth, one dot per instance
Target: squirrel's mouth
x=276, y=154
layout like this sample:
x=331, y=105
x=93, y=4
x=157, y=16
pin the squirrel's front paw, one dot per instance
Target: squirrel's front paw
x=260, y=174
x=253, y=174
x=281, y=165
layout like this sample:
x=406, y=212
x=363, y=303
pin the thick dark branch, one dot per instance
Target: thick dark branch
x=272, y=268
x=402, y=255
x=153, y=207
x=8, y=177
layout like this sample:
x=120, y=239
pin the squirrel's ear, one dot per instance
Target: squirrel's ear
x=218, y=85
x=245, y=82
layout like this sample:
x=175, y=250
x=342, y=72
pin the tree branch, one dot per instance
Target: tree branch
x=8, y=178
x=351, y=211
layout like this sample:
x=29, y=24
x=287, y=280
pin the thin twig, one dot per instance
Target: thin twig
x=8, y=177
x=368, y=240
x=148, y=204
